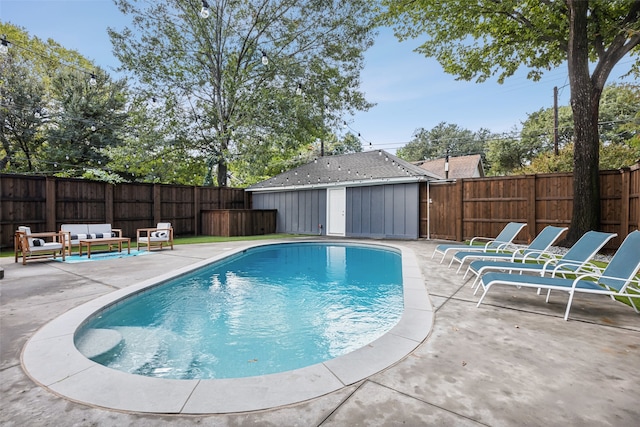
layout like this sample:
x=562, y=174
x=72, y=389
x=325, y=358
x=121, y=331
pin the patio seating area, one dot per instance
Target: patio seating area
x=512, y=361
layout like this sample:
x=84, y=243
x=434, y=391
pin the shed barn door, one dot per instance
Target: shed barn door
x=336, y=205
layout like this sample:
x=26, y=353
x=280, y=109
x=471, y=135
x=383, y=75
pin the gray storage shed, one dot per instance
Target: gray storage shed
x=368, y=194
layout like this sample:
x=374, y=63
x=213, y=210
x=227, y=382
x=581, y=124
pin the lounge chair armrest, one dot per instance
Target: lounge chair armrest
x=117, y=231
x=598, y=277
x=485, y=239
x=580, y=268
x=519, y=255
x=500, y=248
x=551, y=265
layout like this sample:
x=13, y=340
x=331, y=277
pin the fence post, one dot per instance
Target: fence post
x=108, y=203
x=196, y=210
x=157, y=204
x=459, y=212
x=50, y=204
x=532, y=217
x=625, y=199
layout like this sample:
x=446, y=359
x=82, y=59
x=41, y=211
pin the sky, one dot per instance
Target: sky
x=410, y=91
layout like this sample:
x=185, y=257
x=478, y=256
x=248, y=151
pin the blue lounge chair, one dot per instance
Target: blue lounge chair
x=506, y=236
x=534, y=251
x=616, y=280
x=577, y=258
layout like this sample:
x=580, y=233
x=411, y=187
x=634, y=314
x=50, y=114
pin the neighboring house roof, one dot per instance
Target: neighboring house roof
x=374, y=167
x=459, y=167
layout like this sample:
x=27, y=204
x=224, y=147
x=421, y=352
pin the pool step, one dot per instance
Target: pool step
x=149, y=356
x=97, y=343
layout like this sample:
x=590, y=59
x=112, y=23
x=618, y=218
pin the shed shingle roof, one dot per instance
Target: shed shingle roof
x=366, y=168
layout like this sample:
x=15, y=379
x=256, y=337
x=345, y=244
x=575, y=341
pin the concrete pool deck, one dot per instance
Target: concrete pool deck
x=513, y=361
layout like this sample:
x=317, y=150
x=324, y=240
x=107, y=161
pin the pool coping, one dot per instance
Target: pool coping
x=51, y=359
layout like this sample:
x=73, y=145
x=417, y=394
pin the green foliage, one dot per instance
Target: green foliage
x=612, y=157
x=22, y=114
x=619, y=126
x=240, y=112
x=350, y=143
x=45, y=57
x=505, y=155
x=477, y=40
x=54, y=120
x=619, y=119
x=443, y=139
x=88, y=120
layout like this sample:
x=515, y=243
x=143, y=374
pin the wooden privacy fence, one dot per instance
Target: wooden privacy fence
x=448, y=210
x=46, y=203
x=466, y=208
x=239, y=222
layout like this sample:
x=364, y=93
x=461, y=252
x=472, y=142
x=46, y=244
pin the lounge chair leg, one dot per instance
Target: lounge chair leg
x=476, y=284
x=566, y=313
x=486, y=289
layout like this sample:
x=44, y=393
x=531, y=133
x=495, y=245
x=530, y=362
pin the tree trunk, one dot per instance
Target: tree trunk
x=222, y=173
x=585, y=100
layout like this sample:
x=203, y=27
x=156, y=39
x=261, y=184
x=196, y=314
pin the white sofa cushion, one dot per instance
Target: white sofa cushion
x=100, y=231
x=88, y=231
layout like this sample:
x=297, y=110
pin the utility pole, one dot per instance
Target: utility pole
x=555, y=120
x=323, y=106
x=446, y=165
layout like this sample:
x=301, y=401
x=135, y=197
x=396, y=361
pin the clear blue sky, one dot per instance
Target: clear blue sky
x=410, y=91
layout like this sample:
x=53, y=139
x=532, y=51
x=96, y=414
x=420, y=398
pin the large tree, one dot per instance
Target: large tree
x=477, y=40
x=259, y=78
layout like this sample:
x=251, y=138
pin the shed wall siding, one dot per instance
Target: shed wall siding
x=381, y=211
x=299, y=212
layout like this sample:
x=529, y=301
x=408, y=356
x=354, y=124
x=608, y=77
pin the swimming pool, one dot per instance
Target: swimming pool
x=269, y=309
x=51, y=359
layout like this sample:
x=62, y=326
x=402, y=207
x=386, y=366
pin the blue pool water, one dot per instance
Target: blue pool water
x=270, y=309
